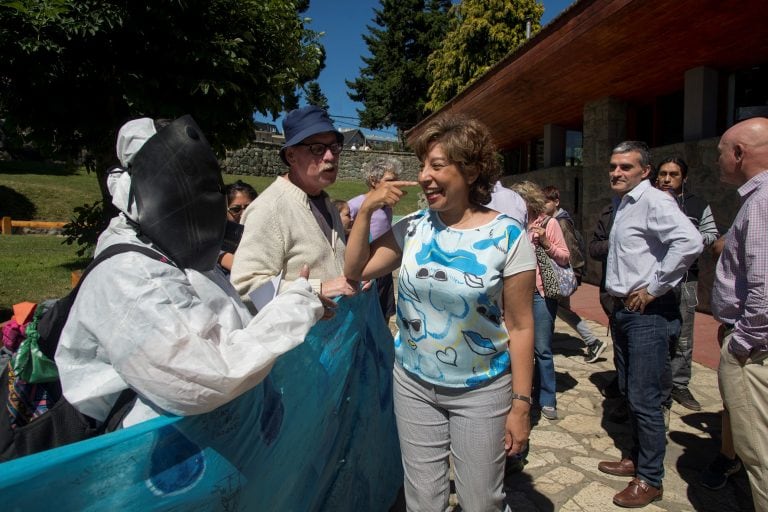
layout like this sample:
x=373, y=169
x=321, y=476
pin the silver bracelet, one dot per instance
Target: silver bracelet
x=522, y=398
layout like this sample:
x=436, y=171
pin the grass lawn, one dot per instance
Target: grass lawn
x=34, y=268
x=46, y=192
x=49, y=193
x=342, y=189
x=38, y=267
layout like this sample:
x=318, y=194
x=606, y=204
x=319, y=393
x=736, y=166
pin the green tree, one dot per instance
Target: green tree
x=73, y=71
x=393, y=84
x=480, y=34
x=315, y=96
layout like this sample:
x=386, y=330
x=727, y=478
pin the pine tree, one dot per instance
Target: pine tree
x=314, y=95
x=393, y=84
x=480, y=34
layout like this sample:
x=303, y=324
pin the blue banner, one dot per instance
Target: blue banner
x=317, y=434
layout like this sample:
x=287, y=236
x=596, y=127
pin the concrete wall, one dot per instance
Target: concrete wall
x=567, y=179
x=263, y=159
x=586, y=190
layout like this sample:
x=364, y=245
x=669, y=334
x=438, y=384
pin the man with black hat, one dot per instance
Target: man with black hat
x=293, y=222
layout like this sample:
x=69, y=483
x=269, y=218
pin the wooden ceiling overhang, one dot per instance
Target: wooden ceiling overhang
x=633, y=50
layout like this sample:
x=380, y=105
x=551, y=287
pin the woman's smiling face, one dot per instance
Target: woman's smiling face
x=444, y=186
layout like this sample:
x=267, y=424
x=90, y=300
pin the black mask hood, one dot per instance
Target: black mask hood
x=179, y=193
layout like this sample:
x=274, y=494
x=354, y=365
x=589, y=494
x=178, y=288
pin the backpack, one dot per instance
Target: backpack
x=576, y=246
x=582, y=248
x=35, y=416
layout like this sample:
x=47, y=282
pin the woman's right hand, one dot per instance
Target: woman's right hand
x=388, y=193
x=540, y=236
x=517, y=430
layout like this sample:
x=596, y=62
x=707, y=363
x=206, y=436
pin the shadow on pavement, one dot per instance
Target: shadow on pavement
x=697, y=453
x=520, y=492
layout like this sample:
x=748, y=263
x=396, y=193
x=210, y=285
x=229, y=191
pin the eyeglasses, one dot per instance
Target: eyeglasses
x=234, y=210
x=319, y=149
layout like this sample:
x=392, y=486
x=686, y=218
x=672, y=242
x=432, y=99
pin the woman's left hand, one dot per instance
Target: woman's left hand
x=518, y=428
x=540, y=236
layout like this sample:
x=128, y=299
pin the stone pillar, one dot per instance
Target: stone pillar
x=605, y=125
x=700, y=114
x=554, y=146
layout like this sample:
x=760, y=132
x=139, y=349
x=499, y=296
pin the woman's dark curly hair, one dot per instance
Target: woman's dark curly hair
x=241, y=187
x=467, y=143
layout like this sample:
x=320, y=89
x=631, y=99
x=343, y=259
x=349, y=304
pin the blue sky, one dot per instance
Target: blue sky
x=344, y=22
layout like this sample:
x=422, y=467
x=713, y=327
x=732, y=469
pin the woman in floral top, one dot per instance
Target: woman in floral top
x=464, y=350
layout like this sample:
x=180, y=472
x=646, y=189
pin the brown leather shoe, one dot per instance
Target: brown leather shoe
x=624, y=467
x=638, y=493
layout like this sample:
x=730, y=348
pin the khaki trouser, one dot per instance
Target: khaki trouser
x=745, y=393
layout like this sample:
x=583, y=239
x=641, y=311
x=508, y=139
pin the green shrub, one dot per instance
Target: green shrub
x=86, y=226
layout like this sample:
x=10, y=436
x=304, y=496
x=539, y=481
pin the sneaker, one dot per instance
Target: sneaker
x=717, y=473
x=684, y=397
x=549, y=412
x=594, y=350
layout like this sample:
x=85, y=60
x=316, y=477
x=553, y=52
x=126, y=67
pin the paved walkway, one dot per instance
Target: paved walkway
x=561, y=473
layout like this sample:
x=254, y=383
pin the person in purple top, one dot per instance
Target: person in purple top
x=509, y=202
x=740, y=300
x=377, y=172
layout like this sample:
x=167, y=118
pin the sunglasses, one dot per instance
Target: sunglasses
x=236, y=209
x=439, y=275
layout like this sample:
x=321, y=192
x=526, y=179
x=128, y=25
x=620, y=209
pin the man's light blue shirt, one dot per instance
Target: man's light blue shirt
x=652, y=243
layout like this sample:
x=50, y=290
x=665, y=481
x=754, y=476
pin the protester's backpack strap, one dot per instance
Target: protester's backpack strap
x=58, y=422
x=53, y=321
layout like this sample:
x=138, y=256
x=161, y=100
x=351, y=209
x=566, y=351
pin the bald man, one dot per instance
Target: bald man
x=740, y=300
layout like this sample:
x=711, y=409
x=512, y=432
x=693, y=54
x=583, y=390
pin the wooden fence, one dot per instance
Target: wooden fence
x=8, y=224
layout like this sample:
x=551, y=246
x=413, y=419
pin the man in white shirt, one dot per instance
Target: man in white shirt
x=651, y=246
x=293, y=222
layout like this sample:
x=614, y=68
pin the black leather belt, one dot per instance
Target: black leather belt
x=619, y=302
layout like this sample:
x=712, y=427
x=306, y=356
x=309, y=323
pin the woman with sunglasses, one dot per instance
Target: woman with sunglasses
x=239, y=195
x=464, y=350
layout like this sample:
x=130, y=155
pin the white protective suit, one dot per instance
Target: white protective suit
x=181, y=339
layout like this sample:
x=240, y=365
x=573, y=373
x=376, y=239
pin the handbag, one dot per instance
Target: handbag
x=558, y=281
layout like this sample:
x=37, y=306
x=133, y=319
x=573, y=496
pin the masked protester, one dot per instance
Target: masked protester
x=173, y=330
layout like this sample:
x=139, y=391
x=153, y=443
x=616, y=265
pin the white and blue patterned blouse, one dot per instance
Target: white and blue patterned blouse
x=449, y=307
